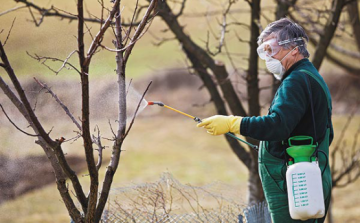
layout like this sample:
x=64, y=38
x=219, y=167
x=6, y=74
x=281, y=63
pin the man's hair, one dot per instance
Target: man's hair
x=286, y=29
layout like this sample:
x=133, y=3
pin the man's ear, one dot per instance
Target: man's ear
x=295, y=51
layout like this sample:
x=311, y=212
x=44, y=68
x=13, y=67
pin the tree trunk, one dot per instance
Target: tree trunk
x=329, y=31
x=256, y=193
x=329, y=216
x=353, y=11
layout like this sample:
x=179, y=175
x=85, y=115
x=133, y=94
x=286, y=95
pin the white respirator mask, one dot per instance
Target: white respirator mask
x=268, y=49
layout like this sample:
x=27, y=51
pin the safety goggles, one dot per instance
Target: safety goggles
x=268, y=48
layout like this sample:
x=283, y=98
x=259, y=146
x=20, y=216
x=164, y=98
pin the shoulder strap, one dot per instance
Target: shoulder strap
x=326, y=92
x=308, y=84
x=325, y=89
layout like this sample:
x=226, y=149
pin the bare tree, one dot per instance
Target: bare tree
x=92, y=204
x=206, y=67
x=354, y=17
x=322, y=36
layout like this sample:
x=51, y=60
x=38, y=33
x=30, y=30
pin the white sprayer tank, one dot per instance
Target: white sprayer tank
x=304, y=185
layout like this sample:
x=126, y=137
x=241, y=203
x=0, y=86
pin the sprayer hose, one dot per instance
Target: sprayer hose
x=327, y=161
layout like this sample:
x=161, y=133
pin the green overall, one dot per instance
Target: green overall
x=272, y=172
x=290, y=115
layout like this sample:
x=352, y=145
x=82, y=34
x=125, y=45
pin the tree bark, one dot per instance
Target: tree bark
x=256, y=193
x=329, y=31
x=252, y=76
x=329, y=216
x=85, y=119
x=353, y=11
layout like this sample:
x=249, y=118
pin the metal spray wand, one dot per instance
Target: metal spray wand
x=198, y=120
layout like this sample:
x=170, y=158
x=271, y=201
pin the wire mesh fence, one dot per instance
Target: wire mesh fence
x=167, y=201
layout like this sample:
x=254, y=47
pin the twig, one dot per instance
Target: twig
x=97, y=141
x=43, y=85
x=11, y=10
x=43, y=60
x=55, y=12
x=66, y=61
x=117, y=50
x=139, y=29
x=111, y=128
x=34, y=19
x=99, y=36
x=129, y=87
x=15, y=124
x=7, y=37
x=181, y=9
x=161, y=40
x=137, y=109
x=131, y=22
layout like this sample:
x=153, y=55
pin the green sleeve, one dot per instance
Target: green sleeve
x=287, y=109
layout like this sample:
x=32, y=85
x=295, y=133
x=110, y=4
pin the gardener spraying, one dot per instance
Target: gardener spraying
x=297, y=127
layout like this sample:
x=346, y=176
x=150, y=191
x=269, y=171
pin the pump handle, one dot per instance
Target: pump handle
x=301, y=138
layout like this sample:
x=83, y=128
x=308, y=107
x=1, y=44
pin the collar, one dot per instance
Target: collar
x=295, y=66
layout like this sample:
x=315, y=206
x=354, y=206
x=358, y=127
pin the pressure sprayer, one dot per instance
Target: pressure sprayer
x=304, y=184
x=198, y=120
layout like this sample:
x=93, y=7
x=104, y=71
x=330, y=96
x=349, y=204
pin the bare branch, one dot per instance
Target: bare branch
x=112, y=130
x=181, y=9
x=97, y=141
x=15, y=124
x=99, y=36
x=160, y=40
x=131, y=22
x=23, y=97
x=55, y=12
x=140, y=28
x=137, y=109
x=7, y=37
x=34, y=19
x=12, y=10
x=128, y=88
x=117, y=50
x=345, y=51
x=43, y=60
x=63, y=106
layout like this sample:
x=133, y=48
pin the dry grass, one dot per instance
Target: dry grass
x=173, y=144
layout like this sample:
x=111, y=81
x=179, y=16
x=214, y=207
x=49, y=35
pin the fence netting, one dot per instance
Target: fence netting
x=167, y=200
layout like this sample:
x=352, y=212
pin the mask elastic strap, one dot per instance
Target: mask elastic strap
x=288, y=53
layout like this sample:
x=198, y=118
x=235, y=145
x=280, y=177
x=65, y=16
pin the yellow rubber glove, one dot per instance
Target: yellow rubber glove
x=220, y=124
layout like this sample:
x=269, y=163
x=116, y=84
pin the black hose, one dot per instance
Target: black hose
x=327, y=161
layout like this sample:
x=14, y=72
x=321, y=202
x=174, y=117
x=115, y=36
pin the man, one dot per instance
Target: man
x=301, y=106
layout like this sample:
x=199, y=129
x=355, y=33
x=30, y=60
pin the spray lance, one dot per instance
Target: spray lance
x=198, y=120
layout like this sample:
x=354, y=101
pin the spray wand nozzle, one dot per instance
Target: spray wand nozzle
x=198, y=120
x=156, y=103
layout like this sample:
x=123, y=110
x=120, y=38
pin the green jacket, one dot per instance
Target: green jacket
x=290, y=111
